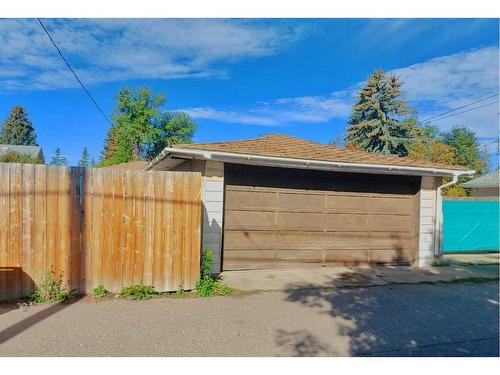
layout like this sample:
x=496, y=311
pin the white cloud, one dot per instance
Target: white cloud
x=114, y=49
x=445, y=83
x=433, y=87
x=234, y=117
x=283, y=111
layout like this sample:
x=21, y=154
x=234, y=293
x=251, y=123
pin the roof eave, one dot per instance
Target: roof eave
x=271, y=161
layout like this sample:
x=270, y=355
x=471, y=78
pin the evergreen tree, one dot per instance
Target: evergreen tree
x=58, y=158
x=18, y=129
x=381, y=122
x=142, y=128
x=85, y=158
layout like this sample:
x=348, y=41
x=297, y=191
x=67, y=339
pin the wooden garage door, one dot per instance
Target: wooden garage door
x=276, y=218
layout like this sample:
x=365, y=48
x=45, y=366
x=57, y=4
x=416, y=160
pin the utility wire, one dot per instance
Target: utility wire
x=468, y=110
x=74, y=73
x=456, y=109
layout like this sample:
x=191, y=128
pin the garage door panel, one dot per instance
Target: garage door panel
x=287, y=218
x=390, y=256
x=245, y=179
x=390, y=240
x=303, y=221
x=347, y=240
x=300, y=238
x=346, y=256
x=346, y=222
x=248, y=259
x=302, y=256
x=386, y=205
x=239, y=239
x=249, y=220
x=251, y=200
x=394, y=223
x=301, y=202
x=347, y=204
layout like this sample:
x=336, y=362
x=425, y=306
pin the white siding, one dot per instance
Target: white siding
x=213, y=202
x=427, y=218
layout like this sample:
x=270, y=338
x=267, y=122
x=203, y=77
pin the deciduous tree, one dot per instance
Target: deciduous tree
x=142, y=128
x=466, y=148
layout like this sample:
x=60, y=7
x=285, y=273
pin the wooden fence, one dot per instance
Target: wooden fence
x=98, y=225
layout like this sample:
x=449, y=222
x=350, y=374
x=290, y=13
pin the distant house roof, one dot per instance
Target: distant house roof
x=292, y=148
x=35, y=152
x=486, y=181
x=132, y=165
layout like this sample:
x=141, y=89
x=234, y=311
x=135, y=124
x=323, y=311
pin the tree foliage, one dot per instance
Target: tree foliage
x=16, y=157
x=59, y=158
x=458, y=146
x=142, y=128
x=18, y=129
x=85, y=158
x=427, y=145
x=466, y=148
x=381, y=121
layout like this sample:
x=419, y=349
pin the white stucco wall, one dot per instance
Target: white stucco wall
x=427, y=218
x=213, y=201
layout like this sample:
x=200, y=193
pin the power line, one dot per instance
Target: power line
x=469, y=110
x=456, y=109
x=74, y=73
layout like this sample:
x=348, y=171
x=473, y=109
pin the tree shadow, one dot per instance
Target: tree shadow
x=301, y=343
x=400, y=320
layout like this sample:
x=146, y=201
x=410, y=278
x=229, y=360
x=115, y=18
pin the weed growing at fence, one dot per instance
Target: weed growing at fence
x=206, y=286
x=99, y=291
x=221, y=289
x=440, y=263
x=51, y=289
x=139, y=292
x=180, y=292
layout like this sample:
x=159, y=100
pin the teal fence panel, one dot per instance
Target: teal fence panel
x=470, y=225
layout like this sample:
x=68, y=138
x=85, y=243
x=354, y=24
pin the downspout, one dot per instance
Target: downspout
x=438, y=227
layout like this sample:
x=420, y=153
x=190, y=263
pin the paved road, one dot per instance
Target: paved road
x=417, y=320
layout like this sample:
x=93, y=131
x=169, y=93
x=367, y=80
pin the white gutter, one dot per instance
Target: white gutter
x=303, y=163
x=438, y=227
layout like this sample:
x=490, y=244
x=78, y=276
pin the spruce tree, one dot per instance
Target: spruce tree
x=381, y=122
x=58, y=158
x=18, y=129
x=85, y=158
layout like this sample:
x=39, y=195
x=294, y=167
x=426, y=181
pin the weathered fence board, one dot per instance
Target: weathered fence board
x=98, y=225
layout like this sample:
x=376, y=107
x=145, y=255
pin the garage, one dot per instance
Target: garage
x=281, y=218
x=278, y=201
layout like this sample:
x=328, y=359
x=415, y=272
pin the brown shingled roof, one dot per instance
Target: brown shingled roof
x=280, y=145
x=132, y=165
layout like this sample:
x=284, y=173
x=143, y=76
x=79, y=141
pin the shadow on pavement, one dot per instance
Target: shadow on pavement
x=31, y=320
x=400, y=320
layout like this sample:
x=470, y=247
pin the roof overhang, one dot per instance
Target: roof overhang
x=171, y=156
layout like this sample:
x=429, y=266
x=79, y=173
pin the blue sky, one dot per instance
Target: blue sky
x=244, y=78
